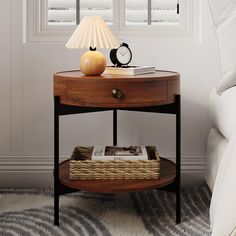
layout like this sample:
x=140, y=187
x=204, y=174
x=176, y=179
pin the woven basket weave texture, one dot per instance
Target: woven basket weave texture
x=82, y=167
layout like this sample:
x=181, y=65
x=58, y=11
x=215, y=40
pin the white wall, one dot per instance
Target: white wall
x=26, y=98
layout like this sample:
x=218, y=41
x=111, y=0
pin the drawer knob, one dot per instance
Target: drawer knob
x=116, y=93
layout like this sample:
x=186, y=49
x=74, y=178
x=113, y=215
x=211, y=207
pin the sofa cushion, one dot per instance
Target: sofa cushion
x=224, y=16
x=216, y=146
x=223, y=111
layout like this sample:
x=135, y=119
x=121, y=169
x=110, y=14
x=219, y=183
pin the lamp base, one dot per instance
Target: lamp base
x=92, y=63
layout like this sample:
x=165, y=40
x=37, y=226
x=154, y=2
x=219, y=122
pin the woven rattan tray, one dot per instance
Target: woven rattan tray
x=82, y=168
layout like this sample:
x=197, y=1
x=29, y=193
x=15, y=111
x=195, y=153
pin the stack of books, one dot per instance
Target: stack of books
x=129, y=70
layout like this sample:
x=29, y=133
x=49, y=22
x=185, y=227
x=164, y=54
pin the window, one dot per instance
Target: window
x=151, y=12
x=50, y=20
x=66, y=12
x=141, y=12
x=61, y=12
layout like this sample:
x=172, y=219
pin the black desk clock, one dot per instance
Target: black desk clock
x=121, y=56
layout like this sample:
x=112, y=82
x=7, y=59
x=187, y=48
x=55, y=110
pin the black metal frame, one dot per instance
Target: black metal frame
x=60, y=110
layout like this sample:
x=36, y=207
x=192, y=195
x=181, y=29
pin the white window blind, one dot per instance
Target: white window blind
x=164, y=12
x=63, y=12
x=55, y=20
x=152, y=12
x=137, y=12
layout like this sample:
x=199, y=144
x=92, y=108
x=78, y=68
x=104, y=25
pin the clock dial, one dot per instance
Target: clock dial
x=123, y=55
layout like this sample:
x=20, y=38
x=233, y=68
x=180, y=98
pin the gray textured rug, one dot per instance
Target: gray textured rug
x=30, y=212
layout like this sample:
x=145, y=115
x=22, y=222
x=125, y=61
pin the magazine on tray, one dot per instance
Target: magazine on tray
x=114, y=153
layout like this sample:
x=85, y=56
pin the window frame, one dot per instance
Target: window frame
x=160, y=29
x=38, y=29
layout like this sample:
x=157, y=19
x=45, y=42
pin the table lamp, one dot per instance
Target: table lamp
x=92, y=33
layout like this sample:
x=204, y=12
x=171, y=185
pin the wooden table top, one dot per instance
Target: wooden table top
x=158, y=75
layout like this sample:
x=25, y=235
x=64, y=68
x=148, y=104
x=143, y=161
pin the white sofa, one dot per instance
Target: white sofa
x=223, y=115
x=221, y=162
x=221, y=145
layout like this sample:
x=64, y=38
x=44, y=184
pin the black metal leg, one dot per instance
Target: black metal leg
x=56, y=161
x=114, y=127
x=178, y=160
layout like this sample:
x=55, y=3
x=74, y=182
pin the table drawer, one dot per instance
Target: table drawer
x=112, y=93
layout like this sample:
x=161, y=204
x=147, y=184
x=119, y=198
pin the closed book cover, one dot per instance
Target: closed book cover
x=114, y=153
x=129, y=70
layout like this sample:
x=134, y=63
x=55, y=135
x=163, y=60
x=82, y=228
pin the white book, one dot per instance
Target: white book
x=129, y=70
x=114, y=153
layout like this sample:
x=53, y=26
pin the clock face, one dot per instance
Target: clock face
x=123, y=55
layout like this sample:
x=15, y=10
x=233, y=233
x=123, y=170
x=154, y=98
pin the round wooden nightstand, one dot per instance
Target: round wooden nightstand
x=75, y=93
x=99, y=91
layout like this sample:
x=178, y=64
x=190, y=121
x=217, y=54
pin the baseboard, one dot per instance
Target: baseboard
x=36, y=171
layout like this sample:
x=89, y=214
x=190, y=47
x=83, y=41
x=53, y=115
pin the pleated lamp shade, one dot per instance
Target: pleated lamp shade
x=92, y=32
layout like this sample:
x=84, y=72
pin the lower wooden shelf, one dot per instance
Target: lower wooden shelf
x=168, y=175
